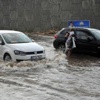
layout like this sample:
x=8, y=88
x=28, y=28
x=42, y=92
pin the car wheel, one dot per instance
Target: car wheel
x=58, y=45
x=55, y=44
x=61, y=47
x=7, y=58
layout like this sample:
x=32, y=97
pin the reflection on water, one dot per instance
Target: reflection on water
x=82, y=60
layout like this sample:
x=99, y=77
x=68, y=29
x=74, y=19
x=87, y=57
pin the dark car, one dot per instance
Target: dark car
x=87, y=39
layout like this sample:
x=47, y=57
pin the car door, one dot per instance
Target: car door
x=61, y=36
x=85, y=41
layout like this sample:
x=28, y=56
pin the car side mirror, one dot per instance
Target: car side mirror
x=32, y=40
x=90, y=38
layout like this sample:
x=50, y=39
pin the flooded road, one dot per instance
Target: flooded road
x=53, y=78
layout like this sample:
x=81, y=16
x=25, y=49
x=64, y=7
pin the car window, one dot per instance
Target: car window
x=16, y=38
x=81, y=35
x=0, y=38
x=63, y=33
x=96, y=32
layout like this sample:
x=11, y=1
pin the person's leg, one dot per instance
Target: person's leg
x=66, y=47
x=68, y=53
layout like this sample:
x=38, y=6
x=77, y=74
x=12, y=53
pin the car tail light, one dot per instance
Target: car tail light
x=55, y=36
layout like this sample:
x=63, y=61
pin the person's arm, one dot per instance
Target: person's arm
x=67, y=34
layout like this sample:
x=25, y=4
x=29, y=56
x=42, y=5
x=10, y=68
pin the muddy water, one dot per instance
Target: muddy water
x=54, y=78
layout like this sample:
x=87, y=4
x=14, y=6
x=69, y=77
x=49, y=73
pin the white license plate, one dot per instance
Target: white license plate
x=36, y=57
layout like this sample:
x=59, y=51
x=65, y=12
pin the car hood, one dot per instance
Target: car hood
x=26, y=47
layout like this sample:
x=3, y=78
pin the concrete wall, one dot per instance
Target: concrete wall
x=37, y=15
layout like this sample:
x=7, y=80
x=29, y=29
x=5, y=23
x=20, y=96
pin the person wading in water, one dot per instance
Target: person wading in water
x=70, y=42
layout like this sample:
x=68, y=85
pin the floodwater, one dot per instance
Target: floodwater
x=53, y=78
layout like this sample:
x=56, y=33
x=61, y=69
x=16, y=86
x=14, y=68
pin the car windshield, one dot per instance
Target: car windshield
x=12, y=38
x=96, y=32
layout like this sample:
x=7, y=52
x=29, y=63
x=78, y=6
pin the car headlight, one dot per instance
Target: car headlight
x=17, y=52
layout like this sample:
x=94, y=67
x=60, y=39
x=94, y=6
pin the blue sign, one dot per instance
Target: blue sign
x=80, y=23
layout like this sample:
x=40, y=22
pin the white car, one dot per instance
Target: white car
x=16, y=46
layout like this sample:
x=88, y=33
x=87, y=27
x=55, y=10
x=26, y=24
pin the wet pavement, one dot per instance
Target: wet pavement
x=53, y=78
